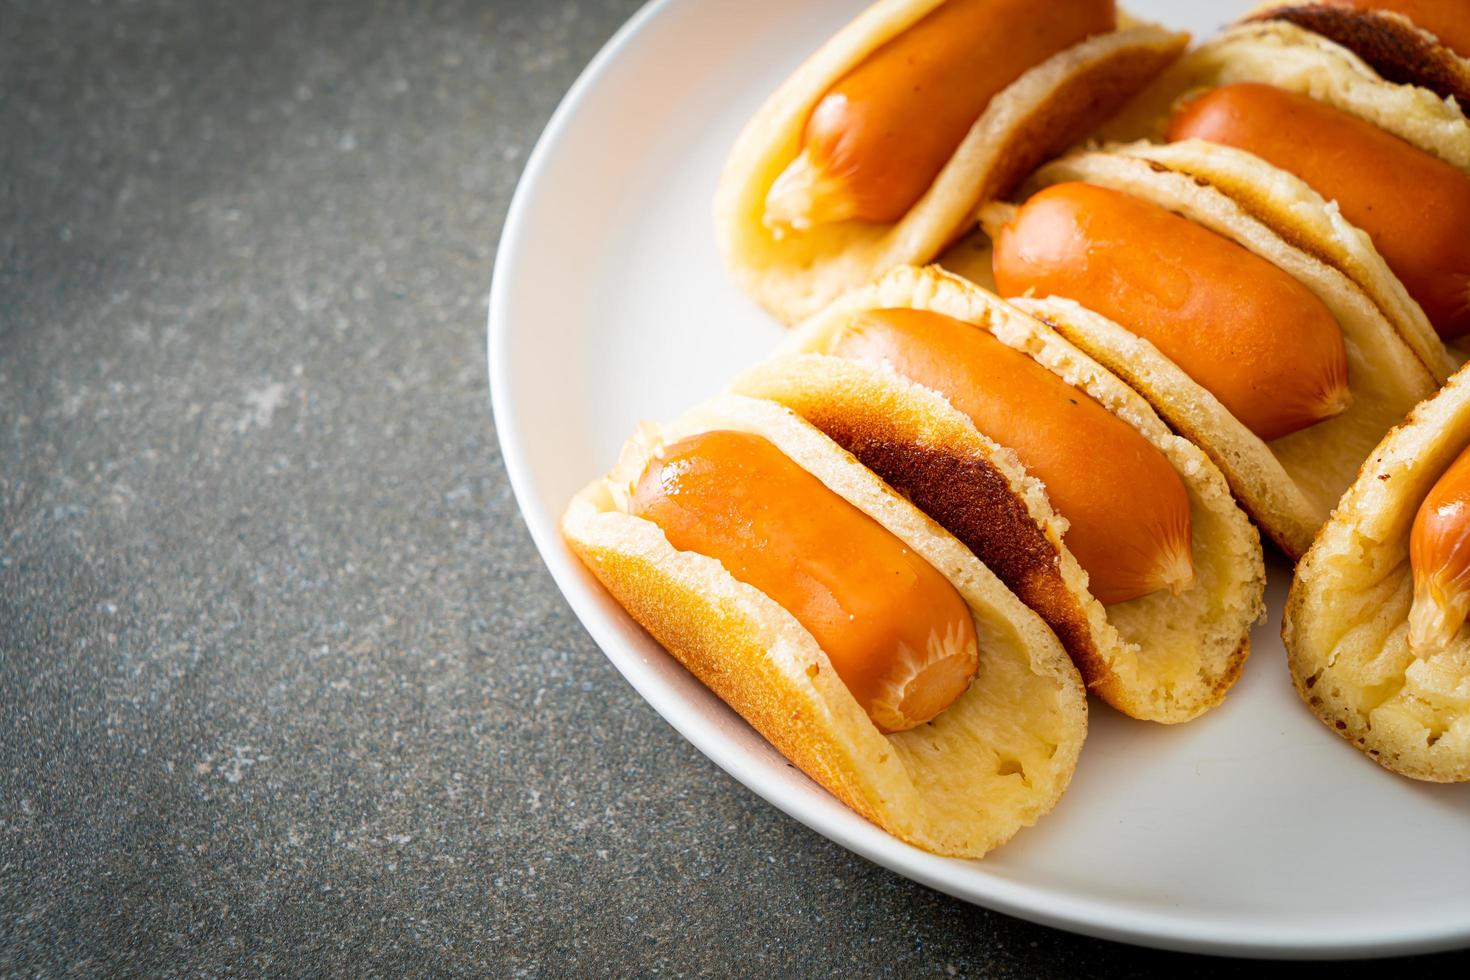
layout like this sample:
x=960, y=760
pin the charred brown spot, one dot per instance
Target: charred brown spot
x=969, y=497
x=1393, y=47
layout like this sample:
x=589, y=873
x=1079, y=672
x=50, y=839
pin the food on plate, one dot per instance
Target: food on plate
x=898, y=635
x=880, y=147
x=1374, y=624
x=1417, y=42
x=1241, y=328
x=857, y=636
x=1439, y=554
x=1122, y=535
x=869, y=152
x=1279, y=53
x=1234, y=333
x=1414, y=206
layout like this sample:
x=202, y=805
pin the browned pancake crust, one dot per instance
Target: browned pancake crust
x=1390, y=43
x=719, y=646
x=972, y=500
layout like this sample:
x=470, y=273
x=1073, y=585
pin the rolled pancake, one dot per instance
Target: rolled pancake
x=1288, y=485
x=1162, y=657
x=991, y=763
x=1346, y=623
x=1282, y=54
x=793, y=274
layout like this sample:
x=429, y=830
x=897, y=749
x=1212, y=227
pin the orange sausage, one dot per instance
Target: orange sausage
x=1128, y=510
x=1253, y=336
x=897, y=633
x=1439, y=553
x=884, y=131
x=1414, y=206
x=1449, y=20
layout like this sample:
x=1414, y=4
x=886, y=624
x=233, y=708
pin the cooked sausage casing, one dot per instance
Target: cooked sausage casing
x=1439, y=552
x=1246, y=331
x=897, y=633
x=884, y=131
x=1126, y=506
x=1414, y=206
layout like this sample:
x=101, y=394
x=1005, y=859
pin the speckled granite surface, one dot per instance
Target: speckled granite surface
x=285, y=686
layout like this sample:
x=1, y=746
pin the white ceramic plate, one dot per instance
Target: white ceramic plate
x=1252, y=831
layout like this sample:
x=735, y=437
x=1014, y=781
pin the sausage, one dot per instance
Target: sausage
x=1127, y=508
x=897, y=633
x=884, y=131
x=1439, y=553
x=1414, y=206
x=1258, y=340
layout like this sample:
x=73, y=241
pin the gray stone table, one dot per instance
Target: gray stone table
x=284, y=686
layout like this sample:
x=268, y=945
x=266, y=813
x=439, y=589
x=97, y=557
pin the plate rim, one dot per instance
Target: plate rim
x=1044, y=905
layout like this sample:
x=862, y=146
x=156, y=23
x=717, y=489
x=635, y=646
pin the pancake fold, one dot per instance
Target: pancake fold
x=1051, y=106
x=1279, y=53
x=1288, y=485
x=1163, y=657
x=994, y=761
x=1346, y=622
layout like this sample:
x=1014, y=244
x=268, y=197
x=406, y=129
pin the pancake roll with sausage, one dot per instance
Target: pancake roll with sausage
x=1121, y=534
x=1375, y=621
x=864, y=642
x=879, y=148
x=1281, y=366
